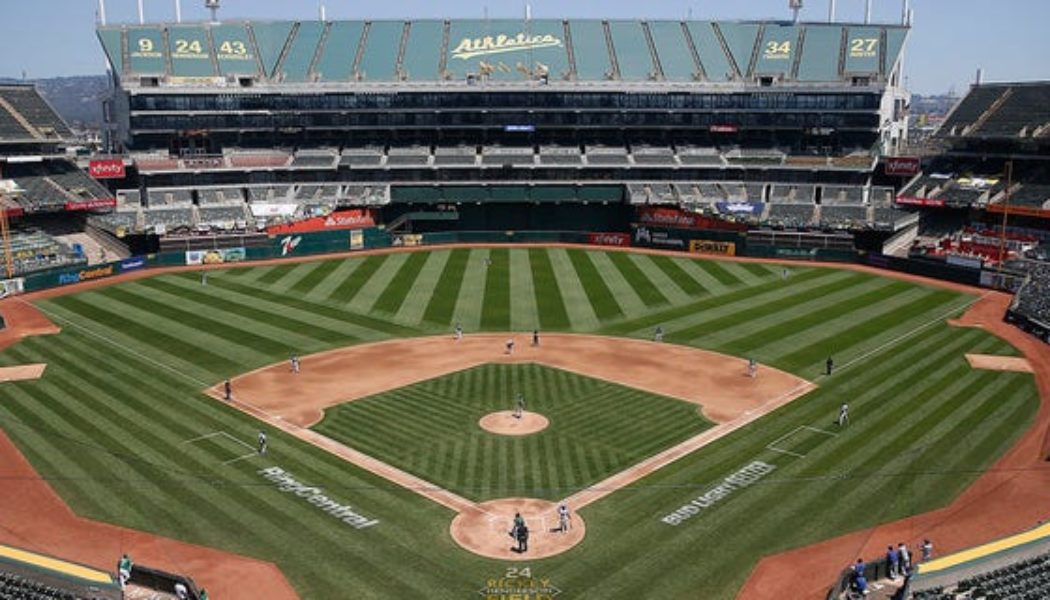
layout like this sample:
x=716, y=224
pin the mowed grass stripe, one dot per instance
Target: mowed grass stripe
x=858, y=304
x=239, y=316
x=324, y=288
x=688, y=312
x=443, y=301
x=175, y=347
x=292, y=278
x=314, y=277
x=252, y=304
x=391, y=298
x=658, y=279
x=549, y=303
x=627, y=298
x=743, y=311
x=472, y=291
x=642, y=285
x=368, y=326
x=422, y=290
x=495, y=309
x=577, y=305
x=247, y=339
x=724, y=272
x=848, y=340
x=275, y=273
x=598, y=294
x=674, y=271
x=368, y=295
x=351, y=286
x=524, y=315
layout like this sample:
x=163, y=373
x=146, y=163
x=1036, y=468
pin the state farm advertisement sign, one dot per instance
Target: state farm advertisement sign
x=901, y=166
x=340, y=219
x=677, y=219
x=609, y=239
x=106, y=169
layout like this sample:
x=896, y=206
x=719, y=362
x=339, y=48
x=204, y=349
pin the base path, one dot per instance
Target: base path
x=22, y=372
x=1012, y=496
x=505, y=423
x=716, y=382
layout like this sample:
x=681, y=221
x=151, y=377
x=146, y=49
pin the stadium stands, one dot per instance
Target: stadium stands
x=1033, y=300
x=23, y=111
x=34, y=250
x=1001, y=110
x=314, y=160
x=507, y=155
x=48, y=185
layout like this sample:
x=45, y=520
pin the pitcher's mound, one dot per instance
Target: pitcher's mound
x=485, y=529
x=504, y=423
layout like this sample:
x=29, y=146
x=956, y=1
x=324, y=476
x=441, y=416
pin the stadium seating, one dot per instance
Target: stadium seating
x=844, y=217
x=363, y=157
x=607, y=156
x=1027, y=579
x=1031, y=194
x=507, y=155
x=455, y=156
x=243, y=159
x=168, y=219
x=34, y=250
x=560, y=156
x=49, y=185
x=844, y=195
x=1033, y=300
x=25, y=105
x=16, y=587
x=970, y=109
x=1025, y=109
x=155, y=162
x=699, y=156
x=314, y=160
x=411, y=156
x=653, y=156
x=791, y=216
x=170, y=197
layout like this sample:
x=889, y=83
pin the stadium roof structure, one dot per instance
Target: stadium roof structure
x=26, y=118
x=1015, y=111
x=504, y=52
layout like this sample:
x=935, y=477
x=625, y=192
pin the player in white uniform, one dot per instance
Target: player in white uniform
x=844, y=415
x=564, y=519
x=262, y=442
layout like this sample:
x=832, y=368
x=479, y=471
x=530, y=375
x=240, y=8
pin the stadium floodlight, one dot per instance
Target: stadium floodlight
x=213, y=6
x=867, y=12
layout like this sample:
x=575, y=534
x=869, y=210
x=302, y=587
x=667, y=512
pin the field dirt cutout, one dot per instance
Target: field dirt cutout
x=716, y=382
x=999, y=363
x=22, y=372
x=505, y=423
x=485, y=529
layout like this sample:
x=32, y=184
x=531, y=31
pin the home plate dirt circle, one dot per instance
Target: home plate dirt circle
x=484, y=529
x=505, y=423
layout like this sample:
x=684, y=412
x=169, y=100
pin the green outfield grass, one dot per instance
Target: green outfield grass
x=430, y=429
x=111, y=422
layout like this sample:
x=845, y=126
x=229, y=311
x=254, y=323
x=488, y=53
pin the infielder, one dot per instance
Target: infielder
x=510, y=347
x=844, y=415
x=295, y=363
x=262, y=442
x=658, y=335
x=229, y=390
x=752, y=368
x=459, y=332
x=519, y=406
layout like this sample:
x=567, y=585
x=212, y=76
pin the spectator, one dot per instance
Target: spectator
x=905, y=556
x=893, y=561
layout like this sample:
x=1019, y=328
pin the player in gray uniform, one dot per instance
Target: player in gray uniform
x=519, y=406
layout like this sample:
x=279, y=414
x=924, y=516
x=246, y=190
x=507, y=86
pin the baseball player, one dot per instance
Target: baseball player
x=519, y=406
x=204, y=278
x=752, y=368
x=535, y=337
x=262, y=442
x=459, y=332
x=844, y=415
x=229, y=390
x=510, y=346
x=658, y=335
x=564, y=519
x=295, y=363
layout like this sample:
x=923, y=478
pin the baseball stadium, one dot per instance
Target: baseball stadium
x=523, y=308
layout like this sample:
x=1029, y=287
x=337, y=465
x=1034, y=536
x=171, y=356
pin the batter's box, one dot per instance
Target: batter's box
x=800, y=441
x=221, y=446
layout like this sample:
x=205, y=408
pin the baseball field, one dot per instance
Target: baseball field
x=120, y=425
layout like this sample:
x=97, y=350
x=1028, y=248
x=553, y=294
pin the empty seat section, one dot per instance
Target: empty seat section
x=590, y=50
x=336, y=62
x=716, y=64
x=296, y=65
x=676, y=59
x=379, y=57
x=423, y=51
x=632, y=50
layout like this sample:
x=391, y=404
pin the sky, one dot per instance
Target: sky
x=950, y=40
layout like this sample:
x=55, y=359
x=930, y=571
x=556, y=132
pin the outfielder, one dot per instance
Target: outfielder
x=844, y=415
x=262, y=442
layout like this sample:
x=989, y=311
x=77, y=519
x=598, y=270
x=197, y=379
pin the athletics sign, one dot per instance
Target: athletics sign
x=483, y=46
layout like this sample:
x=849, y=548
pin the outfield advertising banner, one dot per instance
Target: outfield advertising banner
x=619, y=240
x=70, y=277
x=901, y=166
x=357, y=239
x=134, y=263
x=106, y=169
x=712, y=247
x=215, y=257
x=357, y=218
